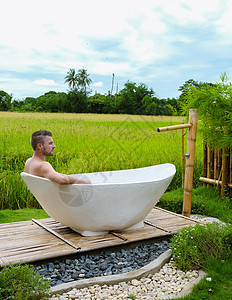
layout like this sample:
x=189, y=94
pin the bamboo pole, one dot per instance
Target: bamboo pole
x=215, y=164
x=230, y=170
x=213, y=181
x=230, y=166
x=219, y=154
x=174, y=127
x=209, y=163
x=182, y=147
x=188, y=183
x=209, y=180
x=205, y=159
x=224, y=161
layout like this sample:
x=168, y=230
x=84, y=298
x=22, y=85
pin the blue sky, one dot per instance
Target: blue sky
x=161, y=43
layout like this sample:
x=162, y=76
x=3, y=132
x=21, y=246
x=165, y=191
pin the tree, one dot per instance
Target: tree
x=52, y=102
x=76, y=101
x=96, y=104
x=186, y=87
x=5, y=101
x=130, y=98
x=83, y=79
x=71, y=78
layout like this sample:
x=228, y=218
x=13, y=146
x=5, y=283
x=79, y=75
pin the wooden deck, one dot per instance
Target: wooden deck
x=28, y=242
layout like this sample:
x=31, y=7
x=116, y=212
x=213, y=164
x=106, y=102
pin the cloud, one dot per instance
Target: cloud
x=149, y=42
x=46, y=82
x=98, y=84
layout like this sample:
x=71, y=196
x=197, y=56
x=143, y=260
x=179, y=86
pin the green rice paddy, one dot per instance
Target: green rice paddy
x=87, y=143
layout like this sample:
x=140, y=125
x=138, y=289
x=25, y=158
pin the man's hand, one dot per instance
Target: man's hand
x=78, y=181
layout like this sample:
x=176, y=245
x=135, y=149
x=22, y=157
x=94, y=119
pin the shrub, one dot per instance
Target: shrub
x=192, y=246
x=214, y=102
x=21, y=282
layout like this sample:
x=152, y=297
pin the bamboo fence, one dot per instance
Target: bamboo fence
x=218, y=168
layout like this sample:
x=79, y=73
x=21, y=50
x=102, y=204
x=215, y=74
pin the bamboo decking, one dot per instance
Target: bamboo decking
x=30, y=241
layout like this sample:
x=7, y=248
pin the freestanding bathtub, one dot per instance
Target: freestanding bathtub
x=114, y=201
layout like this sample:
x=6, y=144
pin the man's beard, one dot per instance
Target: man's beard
x=46, y=153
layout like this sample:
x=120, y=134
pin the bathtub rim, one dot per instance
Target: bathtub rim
x=171, y=174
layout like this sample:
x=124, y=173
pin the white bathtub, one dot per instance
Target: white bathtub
x=114, y=201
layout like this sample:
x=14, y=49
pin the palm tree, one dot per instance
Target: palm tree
x=83, y=79
x=71, y=78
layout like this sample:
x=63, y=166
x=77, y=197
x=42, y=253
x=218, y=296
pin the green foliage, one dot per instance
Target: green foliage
x=83, y=79
x=205, y=201
x=214, y=103
x=49, y=102
x=172, y=201
x=79, y=80
x=76, y=102
x=5, y=101
x=96, y=104
x=131, y=96
x=21, y=282
x=192, y=246
x=133, y=297
x=71, y=78
x=217, y=284
x=132, y=99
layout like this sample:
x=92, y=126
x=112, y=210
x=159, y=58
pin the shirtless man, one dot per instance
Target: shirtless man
x=43, y=146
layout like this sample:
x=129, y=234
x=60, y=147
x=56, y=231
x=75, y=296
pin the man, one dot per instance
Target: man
x=43, y=146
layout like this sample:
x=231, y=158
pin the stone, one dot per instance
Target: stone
x=135, y=282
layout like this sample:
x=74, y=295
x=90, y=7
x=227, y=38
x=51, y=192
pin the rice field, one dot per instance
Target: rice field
x=87, y=143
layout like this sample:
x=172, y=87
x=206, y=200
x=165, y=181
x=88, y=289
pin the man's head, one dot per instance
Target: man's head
x=42, y=140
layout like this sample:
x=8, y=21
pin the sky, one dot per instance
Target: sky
x=160, y=43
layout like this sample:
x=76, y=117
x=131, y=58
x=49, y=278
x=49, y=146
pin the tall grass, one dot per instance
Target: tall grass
x=87, y=143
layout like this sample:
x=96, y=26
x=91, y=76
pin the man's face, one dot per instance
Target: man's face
x=48, y=146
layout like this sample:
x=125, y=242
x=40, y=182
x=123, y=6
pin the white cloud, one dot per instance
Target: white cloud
x=98, y=84
x=133, y=39
x=47, y=82
x=108, y=68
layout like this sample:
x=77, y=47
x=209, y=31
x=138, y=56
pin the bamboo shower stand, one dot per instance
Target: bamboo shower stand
x=190, y=157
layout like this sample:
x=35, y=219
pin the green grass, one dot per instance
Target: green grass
x=220, y=286
x=87, y=143
x=205, y=201
x=26, y=214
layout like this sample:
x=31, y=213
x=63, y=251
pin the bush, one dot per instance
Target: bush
x=205, y=201
x=21, y=282
x=192, y=246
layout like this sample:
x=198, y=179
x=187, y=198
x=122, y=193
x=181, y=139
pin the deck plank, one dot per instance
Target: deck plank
x=28, y=242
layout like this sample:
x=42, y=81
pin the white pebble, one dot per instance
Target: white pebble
x=168, y=282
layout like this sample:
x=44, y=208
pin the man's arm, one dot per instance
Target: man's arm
x=47, y=171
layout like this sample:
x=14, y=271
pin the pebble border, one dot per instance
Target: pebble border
x=151, y=268
x=70, y=290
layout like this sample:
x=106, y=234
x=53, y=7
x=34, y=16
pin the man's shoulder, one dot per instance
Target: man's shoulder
x=45, y=164
x=37, y=167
